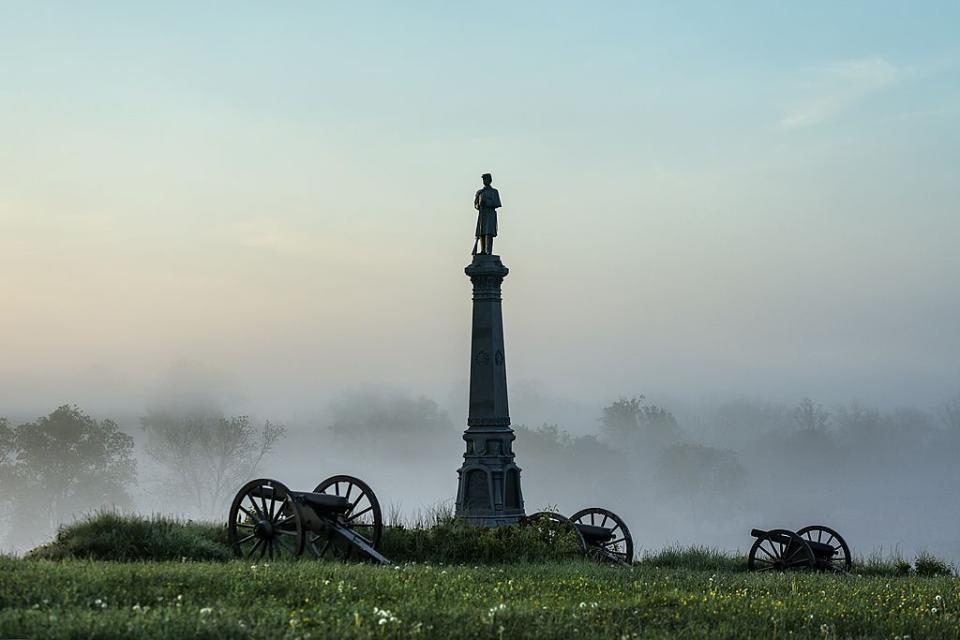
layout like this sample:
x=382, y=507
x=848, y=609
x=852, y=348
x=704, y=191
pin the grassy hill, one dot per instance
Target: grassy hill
x=692, y=593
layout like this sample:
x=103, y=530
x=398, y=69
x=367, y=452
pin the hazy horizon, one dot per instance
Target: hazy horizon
x=697, y=203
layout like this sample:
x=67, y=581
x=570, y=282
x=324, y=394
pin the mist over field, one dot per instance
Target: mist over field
x=232, y=243
x=693, y=472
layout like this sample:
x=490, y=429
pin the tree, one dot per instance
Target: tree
x=629, y=421
x=808, y=415
x=950, y=413
x=860, y=425
x=694, y=470
x=6, y=473
x=394, y=423
x=6, y=446
x=65, y=464
x=204, y=457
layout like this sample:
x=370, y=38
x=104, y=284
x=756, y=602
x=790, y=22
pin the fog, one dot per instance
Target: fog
x=267, y=213
x=679, y=470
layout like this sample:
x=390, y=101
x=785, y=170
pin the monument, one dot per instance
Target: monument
x=489, y=480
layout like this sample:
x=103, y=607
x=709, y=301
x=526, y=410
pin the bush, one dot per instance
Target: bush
x=110, y=536
x=928, y=565
x=452, y=542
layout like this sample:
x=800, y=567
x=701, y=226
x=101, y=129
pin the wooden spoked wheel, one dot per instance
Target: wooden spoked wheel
x=818, y=533
x=265, y=522
x=555, y=528
x=363, y=517
x=619, y=547
x=779, y=550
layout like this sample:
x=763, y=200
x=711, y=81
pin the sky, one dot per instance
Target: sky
x=699, y=199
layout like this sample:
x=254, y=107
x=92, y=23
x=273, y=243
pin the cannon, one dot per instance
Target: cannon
x=599, y=533
x=340, y=518
x=814, y=547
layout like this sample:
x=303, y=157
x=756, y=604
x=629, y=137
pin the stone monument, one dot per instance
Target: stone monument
x=489, y=486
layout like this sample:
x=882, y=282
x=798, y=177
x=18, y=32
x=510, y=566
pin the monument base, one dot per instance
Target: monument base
x=489, y=489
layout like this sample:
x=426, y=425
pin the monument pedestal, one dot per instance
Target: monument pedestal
x=489, y=488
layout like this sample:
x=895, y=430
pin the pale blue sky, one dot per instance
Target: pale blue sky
x=699, y=198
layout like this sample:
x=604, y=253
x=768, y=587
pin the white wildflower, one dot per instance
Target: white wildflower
x=384, y=616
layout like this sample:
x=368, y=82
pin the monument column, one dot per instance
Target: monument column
x=489, y=484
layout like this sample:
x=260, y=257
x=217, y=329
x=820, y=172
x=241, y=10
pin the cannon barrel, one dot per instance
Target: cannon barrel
x=758, y=533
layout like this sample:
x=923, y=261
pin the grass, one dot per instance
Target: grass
x=433, y=537
x=107, y=535
x=114, y=576
x=124, y=538
x=574, y=599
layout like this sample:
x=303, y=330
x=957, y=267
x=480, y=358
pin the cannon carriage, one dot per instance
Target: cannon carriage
x=814, y=547
x=340, y=518
x=599, y=533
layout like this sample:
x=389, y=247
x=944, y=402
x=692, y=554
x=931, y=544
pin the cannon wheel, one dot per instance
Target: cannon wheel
x=769, y=553
x=561, y=522
x=363, y=517
x=841, y=560
x=265, y=522
x=620, y=547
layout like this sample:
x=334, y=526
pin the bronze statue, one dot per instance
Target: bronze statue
x=486, y=203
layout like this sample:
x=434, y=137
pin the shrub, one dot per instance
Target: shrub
x=928, y=565
x=108, y=535
x=452, y=542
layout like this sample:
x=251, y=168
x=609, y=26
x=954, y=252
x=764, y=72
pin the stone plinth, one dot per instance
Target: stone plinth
x=489, y=489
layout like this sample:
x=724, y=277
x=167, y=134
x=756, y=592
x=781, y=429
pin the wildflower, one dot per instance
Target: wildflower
x=206, y=611
x=384, y=616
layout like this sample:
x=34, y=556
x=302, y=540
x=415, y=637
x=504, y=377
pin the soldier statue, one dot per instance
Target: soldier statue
x=486, y=202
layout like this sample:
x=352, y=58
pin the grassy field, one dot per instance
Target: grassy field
x=114, y=576
x=575, y=599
